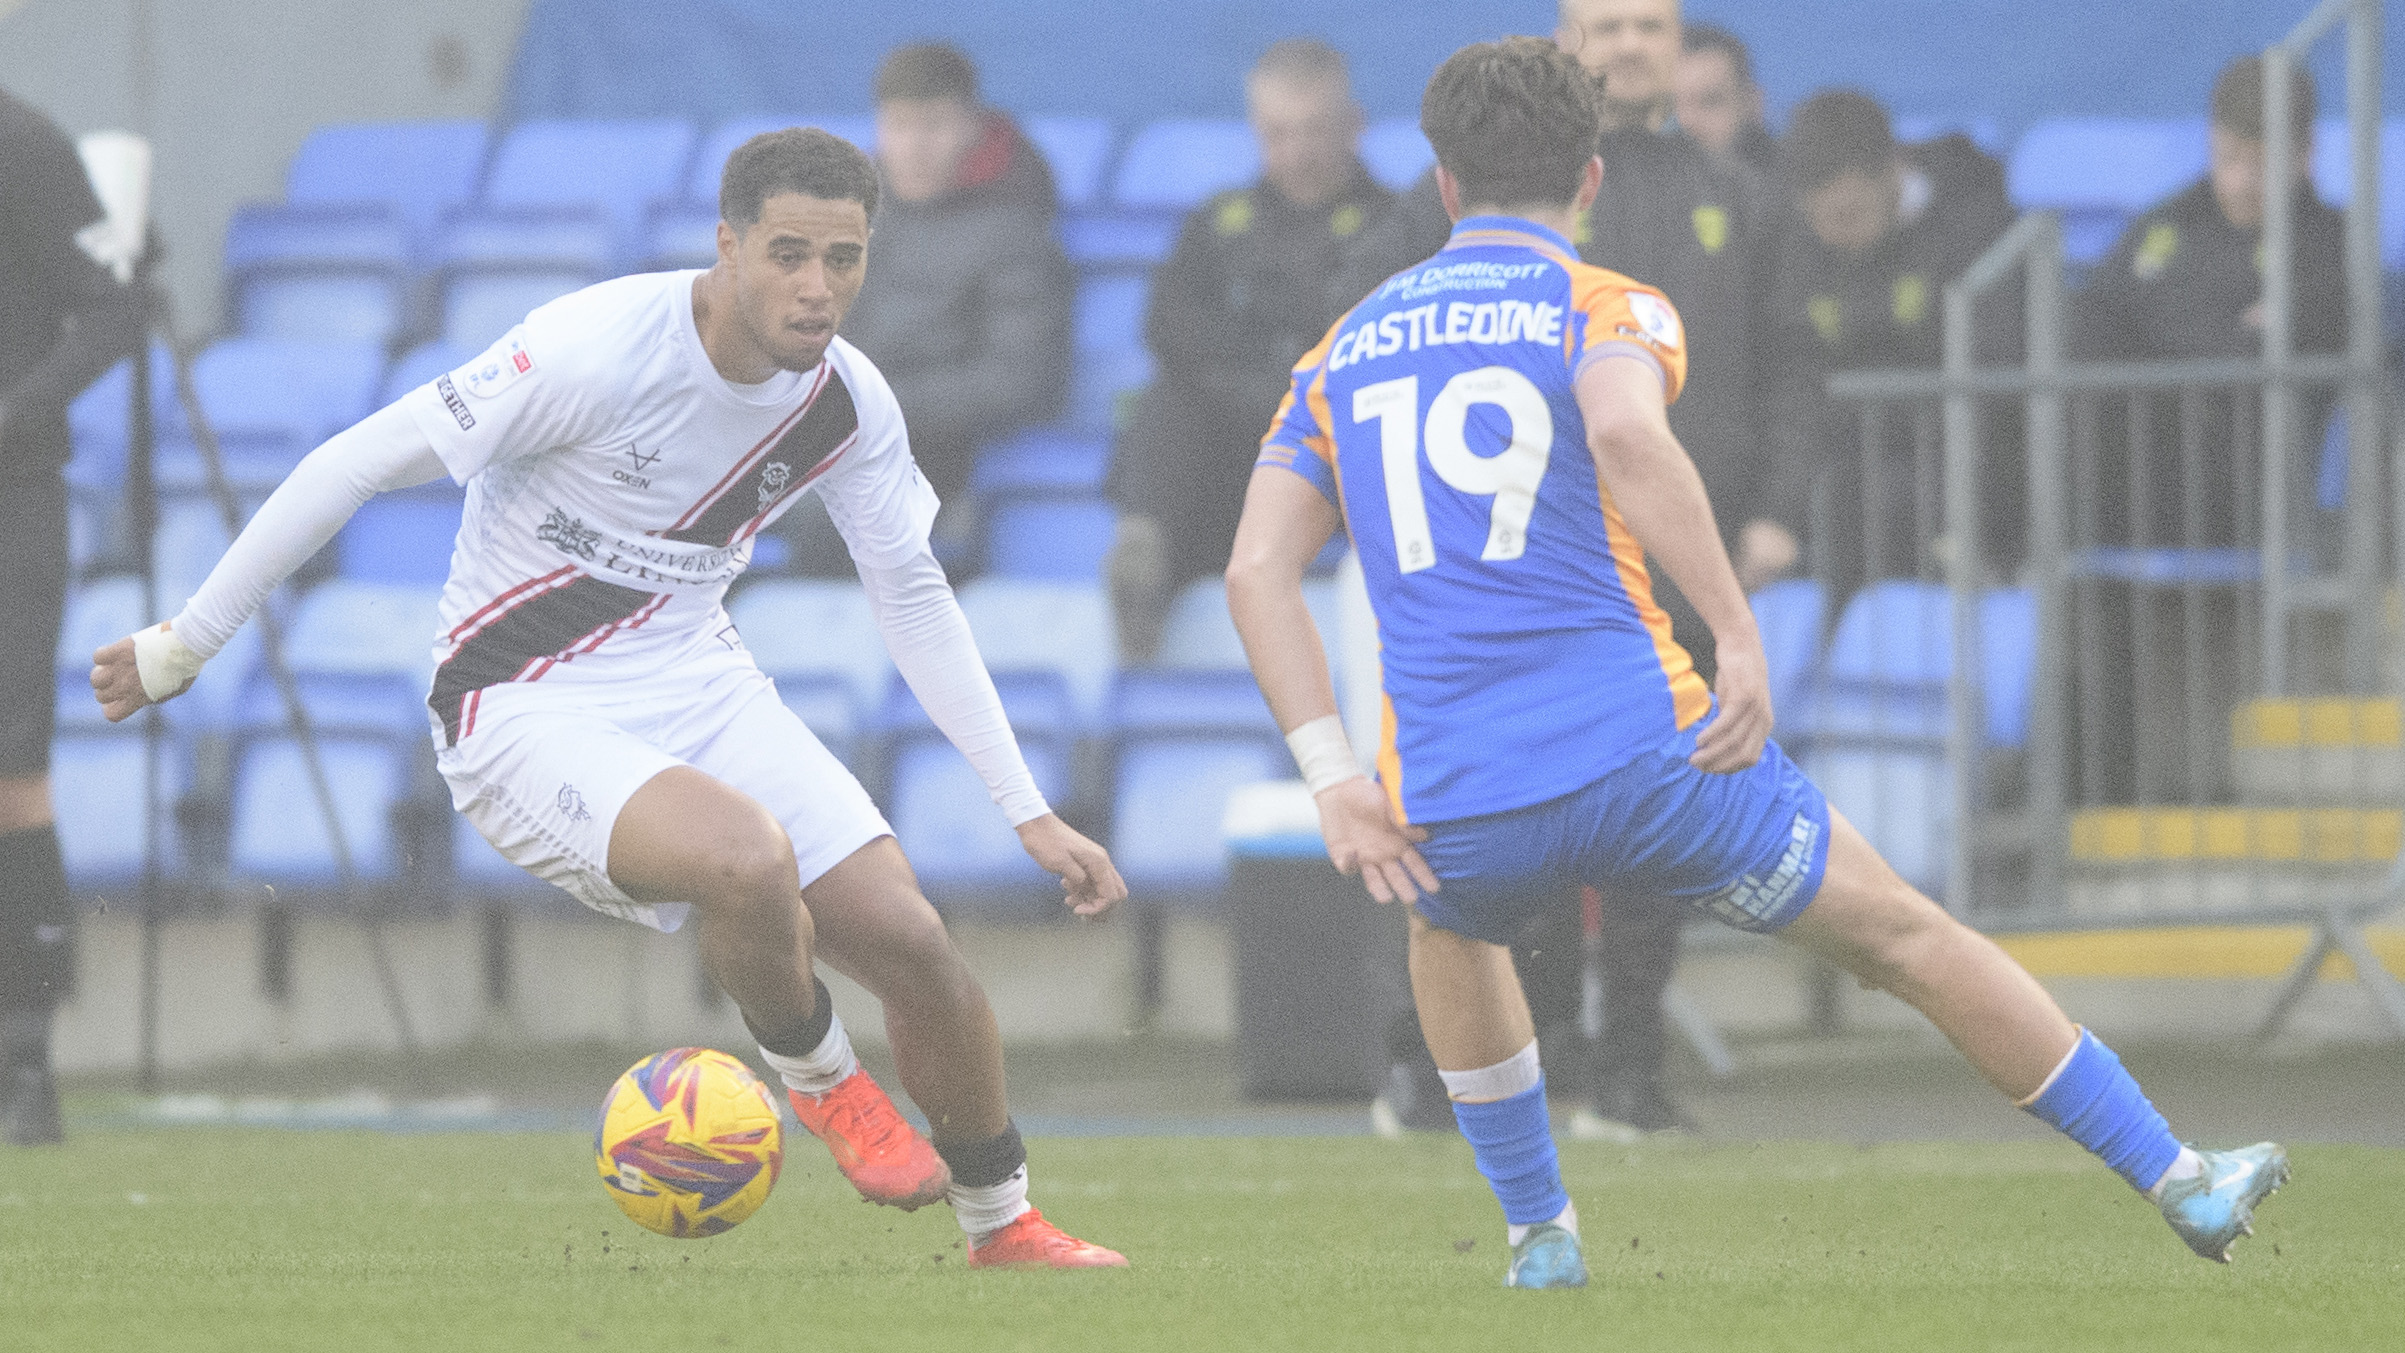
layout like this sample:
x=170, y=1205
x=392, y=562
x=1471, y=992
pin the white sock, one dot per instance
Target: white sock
x=2187, y=1165
x=1568, y=1221
x=987, y=1209
x=822, y=1068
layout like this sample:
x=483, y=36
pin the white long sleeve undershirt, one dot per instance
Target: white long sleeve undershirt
x=929, y=639
x=382, y=452
x=916, y=612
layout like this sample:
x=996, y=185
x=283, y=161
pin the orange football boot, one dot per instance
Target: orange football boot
x=873, y=1144
x=1032, y=1242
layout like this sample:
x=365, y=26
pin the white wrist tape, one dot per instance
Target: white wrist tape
x=166, y=666
x=1322, y=752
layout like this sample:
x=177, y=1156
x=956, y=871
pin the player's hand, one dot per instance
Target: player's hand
x=117, y=681
x=1364, y=838
x=1733, y=740
x=1087, y=875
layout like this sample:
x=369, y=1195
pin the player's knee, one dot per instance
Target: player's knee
x=753, y=868
x=1910, y=954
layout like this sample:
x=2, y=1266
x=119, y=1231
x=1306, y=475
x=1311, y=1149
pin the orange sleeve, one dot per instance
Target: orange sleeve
x=1624, y=319
x=1302, y=438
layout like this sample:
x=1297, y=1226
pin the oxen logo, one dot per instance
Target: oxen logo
x=774, y=476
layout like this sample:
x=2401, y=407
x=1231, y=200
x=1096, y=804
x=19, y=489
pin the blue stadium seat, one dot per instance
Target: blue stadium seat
x=319, y=272
x=422, y=364
x=1883, y=679
x=1172, y=792
x=191, y=538
x=1024, y=625
x=2101, y=172
x=1201, y=636
x=956, y=838
x=1174, y=164
x=1117, y=240
x=87, y=528
x=96, y=420
x=1038, y=705
x=1790, y=616
x=1190, y=701
x=270, y=401
x=1396, y=153
x=813, y=627
x=362, y=656
x=1112, y=360
x=98, y=613
x=1050, y=539
x=279, y=833
x=710, y=160
x=620, y=166
x=401, y=539
x=478, y=870
x=824, y=704
x=1041, y=460
x=2204, y=566
x=680, y=235
x=421, y=168
x=1901, y=800
x=1079, y=151
x=498, y=264
x=2008, y=660
x=96, y=781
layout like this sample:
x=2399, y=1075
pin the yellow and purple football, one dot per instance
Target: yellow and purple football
x=689, y=1142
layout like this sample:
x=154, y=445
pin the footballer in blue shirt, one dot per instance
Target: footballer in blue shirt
x=1489, y=427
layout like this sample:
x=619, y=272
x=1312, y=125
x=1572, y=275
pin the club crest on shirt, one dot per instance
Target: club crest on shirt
x=567, y=534
x=1656, y=318
x=774, y=476
x=498, y=369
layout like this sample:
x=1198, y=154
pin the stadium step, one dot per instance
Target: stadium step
x=2319, y=752
x=2135, y=863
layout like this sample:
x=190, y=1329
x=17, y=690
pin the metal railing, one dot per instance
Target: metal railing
x=2183, y=590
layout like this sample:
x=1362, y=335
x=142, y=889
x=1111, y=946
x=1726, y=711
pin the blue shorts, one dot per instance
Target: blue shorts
x=1747, y=849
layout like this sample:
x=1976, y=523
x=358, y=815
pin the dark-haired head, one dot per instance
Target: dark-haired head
x=801, y=160
x=793, y=228
x=1514, y=124
x=2241, y=123
x=1839, y=162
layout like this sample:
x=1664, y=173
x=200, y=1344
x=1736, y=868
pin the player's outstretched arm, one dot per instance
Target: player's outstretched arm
x=385, y=451
x=1286, y=521
x=1662, y=499
x=937, y=655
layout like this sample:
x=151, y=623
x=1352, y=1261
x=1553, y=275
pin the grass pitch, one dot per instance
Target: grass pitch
x=262, y=1239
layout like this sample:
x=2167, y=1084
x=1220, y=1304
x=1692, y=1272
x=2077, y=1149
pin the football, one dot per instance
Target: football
x=690, y=1142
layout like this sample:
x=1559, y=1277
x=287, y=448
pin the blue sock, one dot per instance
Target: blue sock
x=1513, y=1141
x=2096, y=1103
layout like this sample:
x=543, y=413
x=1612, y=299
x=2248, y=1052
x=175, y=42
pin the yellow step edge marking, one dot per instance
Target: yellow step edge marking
x=2197, y=951
x=2333, y=722
x=2237, y=835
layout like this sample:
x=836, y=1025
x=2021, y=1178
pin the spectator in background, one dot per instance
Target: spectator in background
x=1718, y=102
x=967, y=305
x=1235, y=307
x=1699, y=226
x=63, y=320
x=1860, y=281
x=2186, y=281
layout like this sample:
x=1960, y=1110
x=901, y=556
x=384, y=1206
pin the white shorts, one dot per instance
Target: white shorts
x=545, y=769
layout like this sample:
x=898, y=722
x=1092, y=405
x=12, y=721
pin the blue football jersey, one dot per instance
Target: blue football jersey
x=1520, y=649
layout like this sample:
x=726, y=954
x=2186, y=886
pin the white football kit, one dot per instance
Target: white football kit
x=615, y=482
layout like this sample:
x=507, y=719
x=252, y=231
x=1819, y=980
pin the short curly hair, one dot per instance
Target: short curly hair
x=1514, y=121
x=803, y=160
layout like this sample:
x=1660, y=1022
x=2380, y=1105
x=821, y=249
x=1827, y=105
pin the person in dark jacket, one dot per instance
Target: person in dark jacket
x=1718, y=102
x=1701, y=227
x=1235, y=307
x=2185, y=281
x=967, y=307
x=1860, y=282
x=63, y=319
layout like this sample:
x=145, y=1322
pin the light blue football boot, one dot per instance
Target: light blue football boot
x=1548, y=1256
x=2213, y=1208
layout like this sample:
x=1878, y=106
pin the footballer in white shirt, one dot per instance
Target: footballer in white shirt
x=597, y=717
